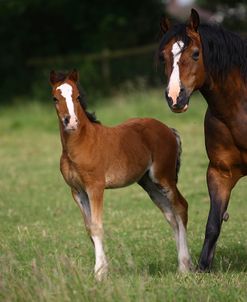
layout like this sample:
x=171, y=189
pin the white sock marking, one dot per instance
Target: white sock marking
x=183, y=253
x=174, y=82
x=100, y=260
x=66, y=92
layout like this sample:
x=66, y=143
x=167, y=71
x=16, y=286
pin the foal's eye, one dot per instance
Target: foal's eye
x=195, y=55
x=55, y=100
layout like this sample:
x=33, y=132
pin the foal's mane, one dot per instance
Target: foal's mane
x=61, y=76
x=223, y=50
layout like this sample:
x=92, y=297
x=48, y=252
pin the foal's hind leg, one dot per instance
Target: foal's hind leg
x=164, y=197
x=91, y=205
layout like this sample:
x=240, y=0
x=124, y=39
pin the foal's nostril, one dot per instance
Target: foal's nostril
x=66, y=120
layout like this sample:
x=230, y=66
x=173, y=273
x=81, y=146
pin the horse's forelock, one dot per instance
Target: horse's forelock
x=177, y=31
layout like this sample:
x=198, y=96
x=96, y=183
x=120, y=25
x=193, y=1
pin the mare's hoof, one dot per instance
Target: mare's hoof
x=200, y=269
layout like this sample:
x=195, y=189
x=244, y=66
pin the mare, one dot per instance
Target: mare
x=214, y=61
x=96, y=157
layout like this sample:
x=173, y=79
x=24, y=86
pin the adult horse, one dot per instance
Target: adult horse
x=213, y=60
x=96, y=157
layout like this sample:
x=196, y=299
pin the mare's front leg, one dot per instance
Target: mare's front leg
x=220, y=183
x=91, y=205
x=223, y=173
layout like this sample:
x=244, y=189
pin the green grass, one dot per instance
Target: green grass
x=45, y=254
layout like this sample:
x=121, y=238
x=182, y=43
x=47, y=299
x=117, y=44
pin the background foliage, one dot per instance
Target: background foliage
x=61, y=28
x=50, y=28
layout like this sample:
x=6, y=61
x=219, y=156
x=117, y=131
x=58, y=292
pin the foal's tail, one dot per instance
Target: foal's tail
x=178, y=163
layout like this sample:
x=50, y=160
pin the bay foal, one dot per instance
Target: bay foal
x=96, y=157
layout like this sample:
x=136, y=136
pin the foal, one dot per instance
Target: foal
x=96, y=157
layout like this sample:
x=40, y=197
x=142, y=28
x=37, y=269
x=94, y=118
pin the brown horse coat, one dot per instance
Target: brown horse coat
x=96, y=157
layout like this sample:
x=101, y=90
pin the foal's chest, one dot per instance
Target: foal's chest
x=70, y=172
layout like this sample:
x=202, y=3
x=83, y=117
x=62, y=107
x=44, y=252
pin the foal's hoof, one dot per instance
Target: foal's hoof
x=101, y=273
x=186, y=266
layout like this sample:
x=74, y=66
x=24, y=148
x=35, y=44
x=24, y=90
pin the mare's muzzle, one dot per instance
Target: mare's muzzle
x=181, y=103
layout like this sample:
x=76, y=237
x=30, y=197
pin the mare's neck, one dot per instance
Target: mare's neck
x=227, y=96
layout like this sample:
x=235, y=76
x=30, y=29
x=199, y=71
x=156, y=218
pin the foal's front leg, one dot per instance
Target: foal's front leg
x=91, y=204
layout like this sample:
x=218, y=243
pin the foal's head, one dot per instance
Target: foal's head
x=181, y=52
x=66, y=96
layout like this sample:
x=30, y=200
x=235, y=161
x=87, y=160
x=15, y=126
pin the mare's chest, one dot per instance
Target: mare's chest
x=238, y=128
x=226, y=137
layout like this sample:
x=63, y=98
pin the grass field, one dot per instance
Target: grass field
x=45, y=254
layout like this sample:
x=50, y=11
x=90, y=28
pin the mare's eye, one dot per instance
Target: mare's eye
x=161, y=57
x=195, y=55
x=55, y=100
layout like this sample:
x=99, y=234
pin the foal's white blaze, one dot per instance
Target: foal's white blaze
x=174, y=82
x=66, y=92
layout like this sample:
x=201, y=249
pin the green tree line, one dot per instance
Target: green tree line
x=37, y=28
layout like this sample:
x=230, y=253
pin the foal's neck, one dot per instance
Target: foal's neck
x=80, y=135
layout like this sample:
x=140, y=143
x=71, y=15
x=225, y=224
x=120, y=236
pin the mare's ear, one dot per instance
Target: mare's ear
x=53, y=77
x=74, y=75
x=164, y=24
x=194, y=20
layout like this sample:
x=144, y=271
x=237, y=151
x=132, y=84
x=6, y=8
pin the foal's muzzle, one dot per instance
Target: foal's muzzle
x=70, y=123
x=181, y=103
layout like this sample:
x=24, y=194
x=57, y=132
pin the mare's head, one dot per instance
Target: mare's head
x=66, y=96
x=181, y=52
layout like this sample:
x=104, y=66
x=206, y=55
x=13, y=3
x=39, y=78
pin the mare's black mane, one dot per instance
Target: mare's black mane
x=223, y=50
x=61, y=76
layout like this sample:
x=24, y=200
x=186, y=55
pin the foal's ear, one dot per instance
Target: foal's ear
x=74, y=75
x=194, y=20
x=164, y=24
x=53, y=77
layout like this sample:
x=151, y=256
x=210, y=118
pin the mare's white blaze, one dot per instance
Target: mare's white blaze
x=66, y=92
x=100, y=268
x=174, y=82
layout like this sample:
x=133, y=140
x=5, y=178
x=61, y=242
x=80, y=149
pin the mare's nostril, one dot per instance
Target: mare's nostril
x=168, y=98
x=66, y=120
